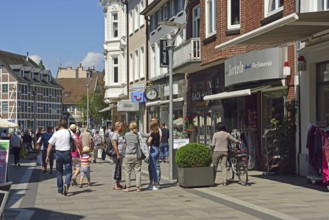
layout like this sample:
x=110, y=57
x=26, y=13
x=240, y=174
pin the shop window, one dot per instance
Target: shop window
x=326, y=5
x=273, y=6
x=196, y=21
x=210, y=17
x=233, y=14
x=323, y=93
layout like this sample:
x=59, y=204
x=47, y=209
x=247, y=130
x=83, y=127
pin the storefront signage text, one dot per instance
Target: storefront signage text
x=196, y=96
x=266, y=64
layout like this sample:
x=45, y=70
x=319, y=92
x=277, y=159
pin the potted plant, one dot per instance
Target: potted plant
x=193, y=161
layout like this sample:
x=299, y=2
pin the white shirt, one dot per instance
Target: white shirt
x=61, y=139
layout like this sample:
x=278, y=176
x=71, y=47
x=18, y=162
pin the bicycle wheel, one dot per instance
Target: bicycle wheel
x=229, y=172
x=242, y=172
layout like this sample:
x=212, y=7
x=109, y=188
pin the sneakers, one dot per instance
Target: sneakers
x=18, y=164
x=65, y=190
x=155, y=188
x=149, y=187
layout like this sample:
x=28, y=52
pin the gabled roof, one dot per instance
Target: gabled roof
x=75, y=88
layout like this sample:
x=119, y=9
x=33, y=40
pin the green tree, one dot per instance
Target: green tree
x=41, y=66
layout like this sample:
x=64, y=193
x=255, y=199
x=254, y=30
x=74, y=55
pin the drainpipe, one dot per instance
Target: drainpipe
x=297, y=94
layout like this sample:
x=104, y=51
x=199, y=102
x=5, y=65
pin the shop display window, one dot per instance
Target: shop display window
x=323, y=93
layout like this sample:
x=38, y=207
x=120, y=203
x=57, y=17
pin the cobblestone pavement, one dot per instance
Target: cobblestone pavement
x=34, y=196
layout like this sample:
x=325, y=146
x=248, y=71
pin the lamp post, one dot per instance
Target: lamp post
x=170, y=47
x=87, y=85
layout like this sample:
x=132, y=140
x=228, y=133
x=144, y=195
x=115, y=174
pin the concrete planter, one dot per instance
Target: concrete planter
x=193, y=177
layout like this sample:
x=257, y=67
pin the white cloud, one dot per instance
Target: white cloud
x=92, y=60
x=36, y=58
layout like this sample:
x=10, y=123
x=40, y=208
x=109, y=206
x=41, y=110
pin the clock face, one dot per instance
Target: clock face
x=151, y=94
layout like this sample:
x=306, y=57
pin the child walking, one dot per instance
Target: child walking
x=85, y=165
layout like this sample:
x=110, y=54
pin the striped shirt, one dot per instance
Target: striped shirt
x=85, y=160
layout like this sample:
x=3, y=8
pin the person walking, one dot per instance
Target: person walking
x=220, y=143
x=131, y=160
x=164, y=147
x=154, y=167
x=44, y=148
x=61, y=140
x=16, y=144
x=98, y=144
x=87, y=139
x=119, y=147
x=27, y=141
x=85, y=166
x=75, y=155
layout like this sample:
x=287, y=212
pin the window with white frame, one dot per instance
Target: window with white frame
x=325, y=5
x=4, y=88
x=115, y=31
x=136, y=67
x=196, y=21
x=115, y=65
x=181, y=4
x=171, y=7
x=210, y=17
x=159, y=17
x=136, y=18
x=152, y=61
x=141, y=63
x=233, y=14
x=4, y=107
x=131, y=69
x=165, y=12
x=130, y=24
x=273, y=6
x=141, y=17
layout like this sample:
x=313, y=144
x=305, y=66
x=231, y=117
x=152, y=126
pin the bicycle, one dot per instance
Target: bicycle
x=237, y=164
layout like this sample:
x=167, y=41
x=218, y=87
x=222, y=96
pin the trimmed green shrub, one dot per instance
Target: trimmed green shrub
x=193, y=155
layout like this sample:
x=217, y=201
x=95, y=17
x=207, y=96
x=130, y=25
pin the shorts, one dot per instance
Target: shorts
x=76, y=162
x=85, y=171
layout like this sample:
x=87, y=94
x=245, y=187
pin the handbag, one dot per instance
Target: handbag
x=73, y=148
x=109, y=149
x=142, y=148
x=139, y=152
x=117, y=173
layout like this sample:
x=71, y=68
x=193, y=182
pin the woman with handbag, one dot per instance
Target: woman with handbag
x=119, y=148
x=131, y=160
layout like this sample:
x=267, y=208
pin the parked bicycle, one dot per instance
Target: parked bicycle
x=237, y=165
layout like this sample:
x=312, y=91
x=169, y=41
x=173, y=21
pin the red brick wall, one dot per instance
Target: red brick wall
x=252, y=13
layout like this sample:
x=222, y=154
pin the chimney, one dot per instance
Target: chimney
x=27, y=56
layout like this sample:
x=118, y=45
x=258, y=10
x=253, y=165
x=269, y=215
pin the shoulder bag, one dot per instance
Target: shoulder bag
x=142, y=148
x=73, y=148
x=109, y=149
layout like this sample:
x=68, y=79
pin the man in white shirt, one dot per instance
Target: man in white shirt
x=61, y=140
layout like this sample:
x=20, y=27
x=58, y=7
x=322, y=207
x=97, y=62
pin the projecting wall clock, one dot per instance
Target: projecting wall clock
x=151, y=93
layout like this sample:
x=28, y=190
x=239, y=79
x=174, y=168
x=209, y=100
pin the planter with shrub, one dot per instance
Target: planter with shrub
x=193, y=162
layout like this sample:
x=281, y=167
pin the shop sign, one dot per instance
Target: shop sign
x=4, y=154
x=254, y=66
x=196, y=96
x=137, y=97
x=164, y=56
x=127, y=106
x=180, y=142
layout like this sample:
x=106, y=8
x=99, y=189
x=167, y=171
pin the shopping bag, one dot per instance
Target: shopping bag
x=117, y=173
x=39, y=159
x=99, y=153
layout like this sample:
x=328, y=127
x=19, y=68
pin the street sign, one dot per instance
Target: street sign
x=164, y=57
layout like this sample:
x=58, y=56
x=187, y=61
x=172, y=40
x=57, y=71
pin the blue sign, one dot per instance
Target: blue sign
x=137, y=97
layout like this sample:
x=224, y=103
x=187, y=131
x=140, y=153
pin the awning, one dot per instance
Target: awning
x=290, y=28
x=148, y=104
x=226, y=95
x=107, y=108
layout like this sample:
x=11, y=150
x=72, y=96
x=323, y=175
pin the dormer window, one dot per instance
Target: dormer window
x=21, y=73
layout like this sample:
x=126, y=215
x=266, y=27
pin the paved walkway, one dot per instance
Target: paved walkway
x=34, y=196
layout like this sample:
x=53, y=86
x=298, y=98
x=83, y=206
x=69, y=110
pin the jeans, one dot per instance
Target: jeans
x=154, y=165
x=164, y=151
x=16, y=154
x=63, y=158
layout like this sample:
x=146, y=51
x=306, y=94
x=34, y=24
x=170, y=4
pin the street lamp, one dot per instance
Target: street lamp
x=170, y=47
x=87, y=85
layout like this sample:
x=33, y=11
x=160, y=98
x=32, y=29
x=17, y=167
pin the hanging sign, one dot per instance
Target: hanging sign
x=164, y=56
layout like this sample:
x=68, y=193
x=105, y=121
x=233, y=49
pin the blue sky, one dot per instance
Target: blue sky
x=66, y=32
